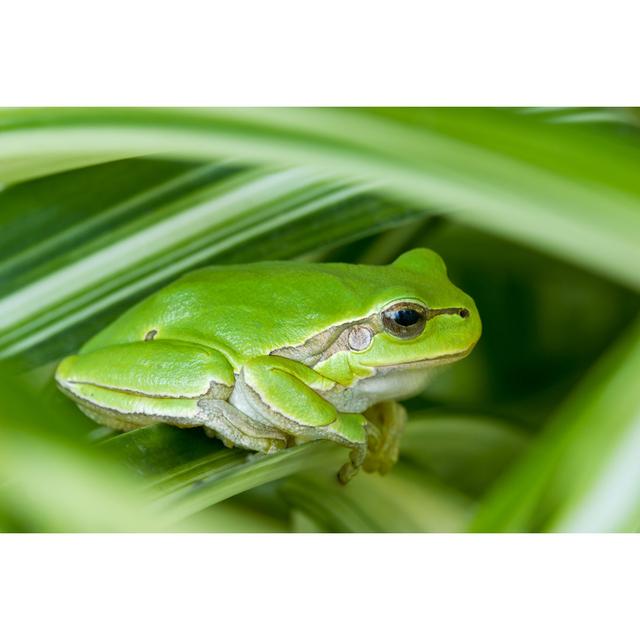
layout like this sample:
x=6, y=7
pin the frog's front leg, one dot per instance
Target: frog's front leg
x=288, y=395
x=386, y=420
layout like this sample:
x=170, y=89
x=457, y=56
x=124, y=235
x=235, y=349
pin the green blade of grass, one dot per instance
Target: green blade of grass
x=111, y=266
x=188, y=472
x=256, y=470
x=23, y=169
x=50, y=223
x=465, y=451
x=51, y=480
x=551, y=185
x=237, y=216
x=158, y=450
x=582, y=474
x=405, y=500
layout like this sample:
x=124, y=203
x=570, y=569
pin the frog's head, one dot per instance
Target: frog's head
x=419, y=318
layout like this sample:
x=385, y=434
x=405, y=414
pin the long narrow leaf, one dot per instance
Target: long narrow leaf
x=251, y=215
x=570, y=191
x=583, y=474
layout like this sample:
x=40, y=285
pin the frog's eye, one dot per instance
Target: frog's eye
x=404, y=319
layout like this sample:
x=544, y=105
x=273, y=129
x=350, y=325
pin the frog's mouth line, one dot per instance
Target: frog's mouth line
x=444, y=359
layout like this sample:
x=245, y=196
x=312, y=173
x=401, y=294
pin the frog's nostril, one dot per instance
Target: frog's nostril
x=463, y=313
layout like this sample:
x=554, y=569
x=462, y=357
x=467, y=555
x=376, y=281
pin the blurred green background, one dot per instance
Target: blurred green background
x=535, y=211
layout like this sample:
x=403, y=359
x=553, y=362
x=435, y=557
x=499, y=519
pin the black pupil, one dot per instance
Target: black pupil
x=406, y=317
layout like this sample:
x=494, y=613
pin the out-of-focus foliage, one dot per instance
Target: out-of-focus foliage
x=536, y=213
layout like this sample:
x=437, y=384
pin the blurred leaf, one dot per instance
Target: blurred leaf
x=578, y=115
x=229, y=517
x=541, y=183
x=45, y=220
x=188, y=472
x=92, y=268
x=50, y=481
x=221, y=481
x=544, y=323
x=405, y=500
x=20, y=168
x=583, y=473
x=160, y=449
x=466, y=452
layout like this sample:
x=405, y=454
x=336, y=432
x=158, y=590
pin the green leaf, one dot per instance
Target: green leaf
x=226, y=480
x=188, y=472
x=582, y=474
x=405, y=500
x=51, y=480
x=161, y=449
x=120, y=253
x=569, y=190
x=465, y=451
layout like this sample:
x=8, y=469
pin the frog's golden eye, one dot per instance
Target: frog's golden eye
x=404, y=319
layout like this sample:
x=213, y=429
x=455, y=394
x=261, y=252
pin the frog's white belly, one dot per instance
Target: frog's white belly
x=386, y=384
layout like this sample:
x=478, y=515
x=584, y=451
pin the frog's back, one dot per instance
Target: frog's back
x=250, y=309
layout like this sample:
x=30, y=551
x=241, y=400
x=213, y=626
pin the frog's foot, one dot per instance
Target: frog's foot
x=356, y=459
x=222, y=420
x=386, y=424
x=349, y=429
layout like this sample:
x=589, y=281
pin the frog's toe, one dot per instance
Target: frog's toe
x=357, y=457
x=347, y=472
x=276, y=445
x=381, y=461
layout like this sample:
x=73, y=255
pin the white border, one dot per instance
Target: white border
x=319, y=586
x=345, y=52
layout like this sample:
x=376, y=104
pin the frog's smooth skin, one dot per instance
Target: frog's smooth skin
x=269, y=355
